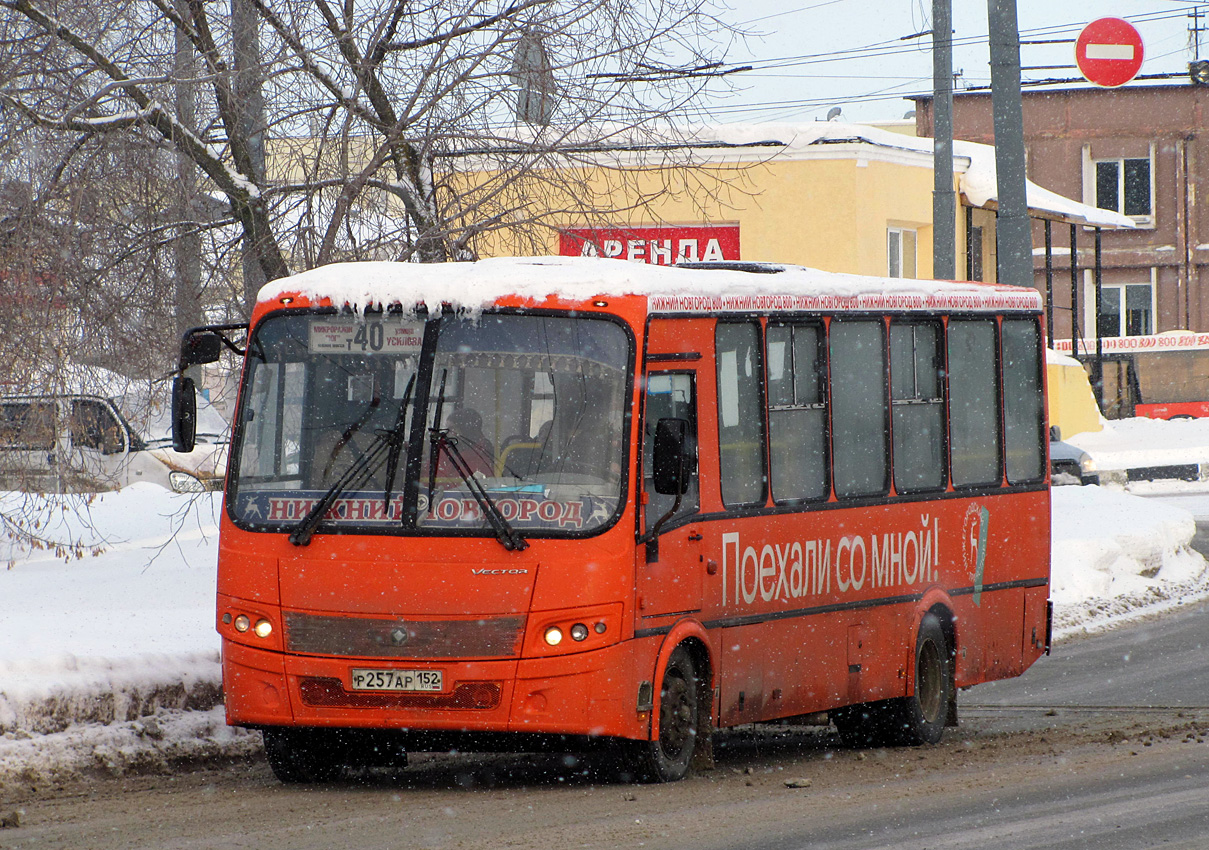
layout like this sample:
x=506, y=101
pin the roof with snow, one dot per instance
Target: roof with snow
x=472, y=286
x=974, y=163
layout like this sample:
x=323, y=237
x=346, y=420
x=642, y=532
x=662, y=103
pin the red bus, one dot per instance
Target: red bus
x=564, y=502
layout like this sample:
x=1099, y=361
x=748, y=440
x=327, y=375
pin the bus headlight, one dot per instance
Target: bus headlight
x=573, y=630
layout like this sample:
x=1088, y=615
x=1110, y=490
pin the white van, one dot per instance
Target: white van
x=76, y=443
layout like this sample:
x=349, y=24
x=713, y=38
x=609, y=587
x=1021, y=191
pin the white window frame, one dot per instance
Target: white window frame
x=897, y=259
x=1089, y=301
x=1089, y=183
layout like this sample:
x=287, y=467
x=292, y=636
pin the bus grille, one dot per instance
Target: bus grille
x=489, y=637
x=324, y=692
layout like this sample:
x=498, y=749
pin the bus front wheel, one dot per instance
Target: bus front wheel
x=667, y=757
x=298, y=756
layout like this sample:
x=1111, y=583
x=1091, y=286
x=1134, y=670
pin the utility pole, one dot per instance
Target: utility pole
x=1013, y=228
x=944, y=198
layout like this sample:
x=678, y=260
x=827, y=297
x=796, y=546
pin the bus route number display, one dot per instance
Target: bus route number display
x=372, y=336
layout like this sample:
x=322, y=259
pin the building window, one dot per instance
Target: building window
x=1126, y=309
x=900, y=252
x=974, y=253
x=1124, y=186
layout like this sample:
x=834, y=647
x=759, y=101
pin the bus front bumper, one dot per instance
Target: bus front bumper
x=585, y=694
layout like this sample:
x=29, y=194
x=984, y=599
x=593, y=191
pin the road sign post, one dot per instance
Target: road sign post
x=1109, y=52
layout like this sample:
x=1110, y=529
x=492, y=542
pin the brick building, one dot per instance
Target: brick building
x=1142, y=151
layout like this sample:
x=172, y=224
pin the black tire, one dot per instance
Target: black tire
x=912, y=720
x=667, y=758
x=924, y=712
x=298, y=756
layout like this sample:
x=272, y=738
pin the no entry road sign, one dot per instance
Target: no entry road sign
x=1109, y=52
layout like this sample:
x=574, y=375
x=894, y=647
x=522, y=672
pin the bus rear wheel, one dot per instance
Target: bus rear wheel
x=911, y=720
x=667, y=757
x=924, y=712
x=298, y=756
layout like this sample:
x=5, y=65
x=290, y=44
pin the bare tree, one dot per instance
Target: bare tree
x=337, y=132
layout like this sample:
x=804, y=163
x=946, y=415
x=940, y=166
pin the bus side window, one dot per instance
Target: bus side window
x=858, y=407
x=669, y=395
x=917, y=406
x=1024, y=427
x=740, y=413
x=797, y=413
x=973, y=402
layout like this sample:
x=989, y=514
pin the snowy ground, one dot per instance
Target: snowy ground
x=109, y=662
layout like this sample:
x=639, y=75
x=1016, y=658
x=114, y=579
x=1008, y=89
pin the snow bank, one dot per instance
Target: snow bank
x=113, y=635
x=1116, y=557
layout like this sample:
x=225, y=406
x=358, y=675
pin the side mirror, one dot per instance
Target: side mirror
x=670, y=468
x=184, y=414
x=199, y=348
x=1055, y=434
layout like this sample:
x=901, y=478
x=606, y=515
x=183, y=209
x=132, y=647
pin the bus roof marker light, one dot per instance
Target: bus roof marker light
x=600, y=302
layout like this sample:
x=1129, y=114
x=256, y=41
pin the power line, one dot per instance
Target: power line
x=890, y=48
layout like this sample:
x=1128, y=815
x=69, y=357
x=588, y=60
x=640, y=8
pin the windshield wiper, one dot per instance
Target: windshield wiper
x=386, y=446
x=395, y=442
x=442, y=442
x=504, y=532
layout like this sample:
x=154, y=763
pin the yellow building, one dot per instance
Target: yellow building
x=840, y=197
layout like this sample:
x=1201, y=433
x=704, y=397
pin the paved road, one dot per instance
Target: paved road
x=1157, y=663
x=1138, y=803
x=1019, y=774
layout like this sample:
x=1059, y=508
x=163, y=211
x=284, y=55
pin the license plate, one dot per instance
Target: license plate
x=397, y=680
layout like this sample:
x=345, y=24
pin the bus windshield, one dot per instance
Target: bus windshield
x=387, y=423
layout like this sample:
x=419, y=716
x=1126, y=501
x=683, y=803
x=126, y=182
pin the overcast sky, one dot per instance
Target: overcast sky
x=812, y=55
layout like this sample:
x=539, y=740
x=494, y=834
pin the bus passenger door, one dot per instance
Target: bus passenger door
x=671, y=565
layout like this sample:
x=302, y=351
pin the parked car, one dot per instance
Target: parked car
x=1069, y=464
x=75, y=443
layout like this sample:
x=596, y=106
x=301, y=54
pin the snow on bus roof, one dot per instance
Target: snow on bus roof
x=472, y=286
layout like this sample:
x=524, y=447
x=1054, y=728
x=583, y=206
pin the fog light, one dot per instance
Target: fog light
x=263, y=628
x=242, y=623
x=554, y=636
x=579, y=632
